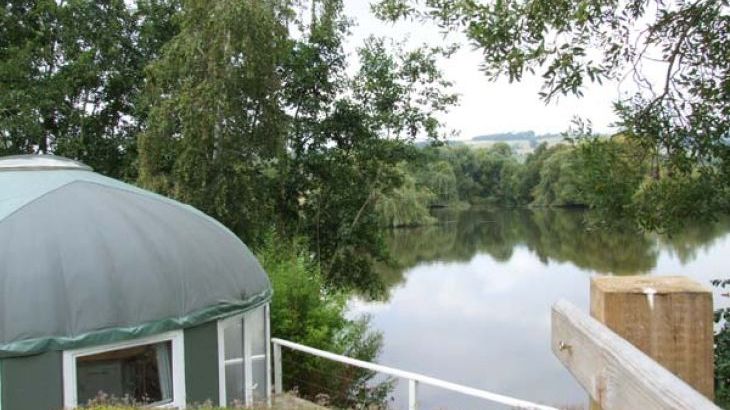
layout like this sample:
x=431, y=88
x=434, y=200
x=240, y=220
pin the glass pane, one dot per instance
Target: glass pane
x=258, y=367
x=234, y=364
x=142, y=374
x=256, y=321
x=234, y=384
x=233, y=339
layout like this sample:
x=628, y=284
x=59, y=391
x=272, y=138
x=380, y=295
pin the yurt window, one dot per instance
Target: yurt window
x=243, y=355
x=146, y=371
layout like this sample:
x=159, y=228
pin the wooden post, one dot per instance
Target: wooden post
x=669, y=318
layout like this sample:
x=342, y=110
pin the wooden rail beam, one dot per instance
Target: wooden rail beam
x=616, y=374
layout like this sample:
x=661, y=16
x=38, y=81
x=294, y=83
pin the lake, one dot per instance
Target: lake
x=469, y=299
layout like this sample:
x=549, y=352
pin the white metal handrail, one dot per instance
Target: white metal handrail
x=413, y=378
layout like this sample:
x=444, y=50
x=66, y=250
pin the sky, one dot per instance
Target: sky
x=488, y=107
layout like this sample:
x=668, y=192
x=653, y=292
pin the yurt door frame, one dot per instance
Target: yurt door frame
x=230, y=357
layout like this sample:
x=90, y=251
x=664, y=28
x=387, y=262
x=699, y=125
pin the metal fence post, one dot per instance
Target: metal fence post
x=278, y=384
x=412, y=391
x=268, y=355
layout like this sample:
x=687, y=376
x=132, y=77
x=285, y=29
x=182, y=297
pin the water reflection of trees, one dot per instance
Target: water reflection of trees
x=561, y=236
x=695, y=238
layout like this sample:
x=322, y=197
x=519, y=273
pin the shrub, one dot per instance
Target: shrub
x=304, y=310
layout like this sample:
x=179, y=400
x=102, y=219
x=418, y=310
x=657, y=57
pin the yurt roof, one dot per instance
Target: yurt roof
x=87, y=260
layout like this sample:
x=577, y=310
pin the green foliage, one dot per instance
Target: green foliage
x=689, y=195
x=679, y=123
x=307, y=311
x=403, y=90
x=71, y=75
x=259, y=129
x=530, y=175
x=610, y=174
x=215, y=121
x=347, y=135
x=481, y=175
x=440, y=179
x=722, y=352
x=405, y=205
x=495, y=176
x=559, y=180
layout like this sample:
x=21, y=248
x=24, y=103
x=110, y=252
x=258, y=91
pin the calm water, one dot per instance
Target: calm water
x=470, y=298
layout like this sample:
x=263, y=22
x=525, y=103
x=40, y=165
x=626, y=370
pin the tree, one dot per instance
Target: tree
x=680, y=124
x=611, y=172
x=347, y=134
x=407, y=205
x=530, y=175
x=559, y=180
x=259, y=127
x=71, y=75
x=439, y=178
x=496, y=165
x=466, y=168
x=489, y=175
x=215, y=123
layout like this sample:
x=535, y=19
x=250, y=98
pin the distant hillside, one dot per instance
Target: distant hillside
x=514, y=136
x=427, y=143
x=507, y=136
x=521, y=142
x=529, y=139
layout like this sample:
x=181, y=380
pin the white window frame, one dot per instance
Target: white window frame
x=70, y=386
x=247, y=357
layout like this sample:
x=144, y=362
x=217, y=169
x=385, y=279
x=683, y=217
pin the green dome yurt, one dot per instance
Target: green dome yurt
x=108, y=290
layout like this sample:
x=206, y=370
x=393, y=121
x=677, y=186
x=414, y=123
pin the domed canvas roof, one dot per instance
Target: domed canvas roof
x=86, y=259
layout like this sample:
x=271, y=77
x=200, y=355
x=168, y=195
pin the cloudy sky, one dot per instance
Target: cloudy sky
x=488, y=107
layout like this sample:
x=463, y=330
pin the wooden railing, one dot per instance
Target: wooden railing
x=615, y=373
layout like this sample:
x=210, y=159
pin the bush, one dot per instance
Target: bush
x=722, y=352
x=304, y=310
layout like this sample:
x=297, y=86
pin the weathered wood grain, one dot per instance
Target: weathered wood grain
x=667, y=317
x=616, y=374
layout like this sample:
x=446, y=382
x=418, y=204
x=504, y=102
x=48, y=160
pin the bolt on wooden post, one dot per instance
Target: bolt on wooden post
x=667, y=317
